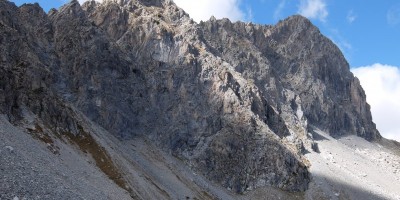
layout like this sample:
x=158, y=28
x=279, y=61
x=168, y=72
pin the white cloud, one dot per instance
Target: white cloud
x=249, y=14
x=382, y=86
x=351, y=16
x=202, y=10
x=344, y=46
x=313, y=9
x=393, y=15
x=278, y=10
x=341, y=42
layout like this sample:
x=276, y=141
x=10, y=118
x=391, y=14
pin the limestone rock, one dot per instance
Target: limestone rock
x=233, y=100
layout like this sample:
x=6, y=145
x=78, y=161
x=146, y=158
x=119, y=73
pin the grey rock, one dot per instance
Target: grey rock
x=293, y=56
x=233, y=100
x=10, y=149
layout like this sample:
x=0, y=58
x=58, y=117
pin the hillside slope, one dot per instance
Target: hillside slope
x=231, y=104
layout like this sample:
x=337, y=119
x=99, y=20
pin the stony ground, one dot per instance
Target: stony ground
x=345, y=168
x=353, y=168
x=29, y=170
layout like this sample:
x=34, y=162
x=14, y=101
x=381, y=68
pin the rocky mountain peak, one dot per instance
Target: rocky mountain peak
x=224, y=97
x=296, y=20
x=148, y=3
x=72, y=9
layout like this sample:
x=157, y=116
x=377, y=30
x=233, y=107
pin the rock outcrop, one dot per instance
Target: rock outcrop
x=232, y=100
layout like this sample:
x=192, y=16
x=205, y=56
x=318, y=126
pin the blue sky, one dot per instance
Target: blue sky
x=45, y=4
x=367, y=32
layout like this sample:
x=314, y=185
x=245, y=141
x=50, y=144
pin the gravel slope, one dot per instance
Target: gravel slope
x=345, y=168
x=353, y=168
x=29, y=170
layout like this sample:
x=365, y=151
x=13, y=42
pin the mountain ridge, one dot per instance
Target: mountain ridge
x=225, y=98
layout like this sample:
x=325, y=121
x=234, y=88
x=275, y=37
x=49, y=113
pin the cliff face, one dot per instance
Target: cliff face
x=294, y=57
x=234, y=101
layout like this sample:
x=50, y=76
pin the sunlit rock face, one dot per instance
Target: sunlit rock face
x=232, y=100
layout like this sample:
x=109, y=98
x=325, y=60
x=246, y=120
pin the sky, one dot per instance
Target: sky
x=367, y=32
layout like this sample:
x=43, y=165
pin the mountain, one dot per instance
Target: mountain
x=133, y=99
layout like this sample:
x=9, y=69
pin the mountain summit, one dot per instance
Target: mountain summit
x=152, y=105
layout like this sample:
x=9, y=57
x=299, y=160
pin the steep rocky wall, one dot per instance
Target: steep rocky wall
x=195, y=95
x=223, y=97
x=293, y=56
x=326, y=80
x=25, y=71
